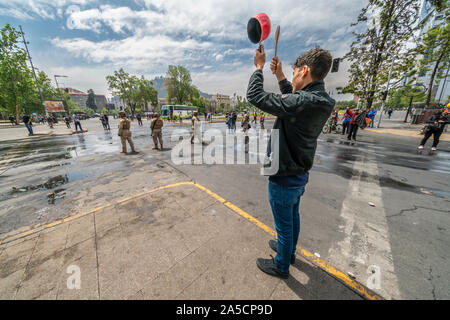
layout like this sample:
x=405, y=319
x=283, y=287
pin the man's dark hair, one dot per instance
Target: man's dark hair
x=318, y=59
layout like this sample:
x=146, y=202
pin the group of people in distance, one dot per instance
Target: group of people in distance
x=354, y=119
x=50, y=119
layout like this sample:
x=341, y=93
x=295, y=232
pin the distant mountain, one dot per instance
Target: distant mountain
x=158, y=83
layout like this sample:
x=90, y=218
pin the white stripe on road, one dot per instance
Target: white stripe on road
x=365, y=229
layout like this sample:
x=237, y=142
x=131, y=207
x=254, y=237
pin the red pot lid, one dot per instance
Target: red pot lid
x=265, y=25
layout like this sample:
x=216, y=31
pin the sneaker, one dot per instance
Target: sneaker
x=270, y=267
x=273, y=246
x=433, y=149
x=420, y=147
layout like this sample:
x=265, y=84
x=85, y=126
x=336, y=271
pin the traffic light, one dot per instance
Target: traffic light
x=335, y=65
x=384, y=95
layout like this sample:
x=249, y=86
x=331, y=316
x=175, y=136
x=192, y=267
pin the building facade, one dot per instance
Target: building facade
x=441, y=88
x=80, y=97
x=220, y=102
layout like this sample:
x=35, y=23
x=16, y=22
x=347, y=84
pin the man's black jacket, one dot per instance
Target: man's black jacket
x=300, y=118
x=434, y=123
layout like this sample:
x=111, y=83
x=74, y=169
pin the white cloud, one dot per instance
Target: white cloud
x=15, y=13
x=45, y=9
x=207, y=36
x=136, y=52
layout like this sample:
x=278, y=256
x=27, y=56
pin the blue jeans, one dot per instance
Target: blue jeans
x=78, y=124
x=371, y=122
x=29, y=127
x=285, y=203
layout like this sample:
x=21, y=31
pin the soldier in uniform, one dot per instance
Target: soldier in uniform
x=196, y=128
x=261, y=120
x=245, y=126
x=156, y=126
x=245, y=122
x=125, y=133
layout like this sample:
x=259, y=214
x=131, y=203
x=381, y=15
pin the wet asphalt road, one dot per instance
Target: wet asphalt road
x=40, y=175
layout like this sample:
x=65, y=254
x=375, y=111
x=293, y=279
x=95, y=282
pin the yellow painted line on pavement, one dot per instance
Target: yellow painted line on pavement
x=319, y=262
x=79, y=215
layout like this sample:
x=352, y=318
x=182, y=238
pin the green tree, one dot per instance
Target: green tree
x=17, y=86
x=198, y=101
x=386, y=28
x=132, y=90
x=435, y=51
x=146, y=93
x=178, y=84
x=242, y=104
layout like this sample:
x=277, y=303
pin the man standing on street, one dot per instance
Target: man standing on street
x=302, y=109
x=346, y=123
x=353, y=126
x=77, y=123
x=125, y=133
x=156, y=126
x=105, y=117
x=67, y=121
x=27, y=121
x=261, y=120
x=196, y=128
x=371, y=116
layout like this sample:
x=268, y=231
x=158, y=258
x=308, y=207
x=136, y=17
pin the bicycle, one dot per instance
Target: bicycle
x=332, y=125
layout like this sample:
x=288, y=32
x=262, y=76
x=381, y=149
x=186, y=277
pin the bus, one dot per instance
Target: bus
x=177, y=109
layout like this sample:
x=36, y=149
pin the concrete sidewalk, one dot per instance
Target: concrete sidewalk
x=176, y=242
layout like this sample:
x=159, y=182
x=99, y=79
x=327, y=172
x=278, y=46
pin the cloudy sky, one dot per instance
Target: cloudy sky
x=89, y=39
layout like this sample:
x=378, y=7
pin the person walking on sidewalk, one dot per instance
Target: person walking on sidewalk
x=302, y=109
x=139, y=119
x=125, y=133
x=156, y=126
x=353, y=126
x=435, y=127
x=27, y=121
x=390, y=112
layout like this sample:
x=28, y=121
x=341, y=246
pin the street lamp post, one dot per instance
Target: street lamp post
x=57, y=86
x=34, y=73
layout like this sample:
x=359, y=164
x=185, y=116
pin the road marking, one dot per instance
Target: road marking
x=366, y=233
x=363, y=291
x=11, y=238
x=319, y=262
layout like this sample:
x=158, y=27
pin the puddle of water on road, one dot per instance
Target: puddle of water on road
x=55, y=196
x=51, y=183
